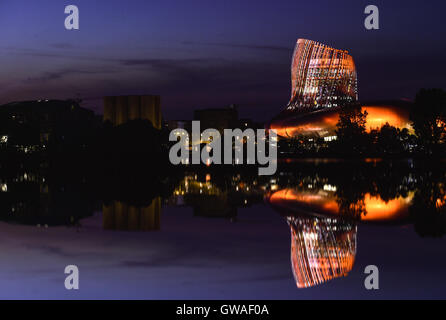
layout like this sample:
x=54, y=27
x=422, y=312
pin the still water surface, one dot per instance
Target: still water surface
x=306, y=233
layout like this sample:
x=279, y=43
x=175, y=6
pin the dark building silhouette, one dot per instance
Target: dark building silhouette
x=27, y=197
x=178, y=124
x=29, y=124
x=120, y=109
x=220, y=119
x=215, y=118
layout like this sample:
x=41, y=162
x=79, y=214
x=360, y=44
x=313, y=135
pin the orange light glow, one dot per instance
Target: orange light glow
x=440, y=203
x=323, y=124
x=380, y=115
x=379, y=210
x=321, y=250
x=376, y=209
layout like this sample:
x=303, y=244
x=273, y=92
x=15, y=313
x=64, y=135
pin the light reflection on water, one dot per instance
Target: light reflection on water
x=371, y=208
x=321, y=249
x=322, y=202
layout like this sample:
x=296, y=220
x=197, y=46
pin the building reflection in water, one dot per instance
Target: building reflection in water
x=206, y=198
x=325, y=201
x=322, y=249
x=217, y=198
x=28, y=198
x=122, y=216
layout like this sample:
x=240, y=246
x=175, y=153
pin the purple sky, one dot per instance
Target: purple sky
x=202, y=53
x=203, y=258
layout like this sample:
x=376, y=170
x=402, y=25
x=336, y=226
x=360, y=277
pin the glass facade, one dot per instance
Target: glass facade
x=321, y=249
x=321, y=76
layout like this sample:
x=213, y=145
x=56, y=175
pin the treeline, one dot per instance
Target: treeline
x=79, y=169
x=133, y=146
x=422, y=181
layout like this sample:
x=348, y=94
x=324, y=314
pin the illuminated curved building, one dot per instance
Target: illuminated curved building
x=321, y=76
x=321, y=249
x=323, y=81
x=323, y=231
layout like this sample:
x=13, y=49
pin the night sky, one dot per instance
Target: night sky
x=202, y=53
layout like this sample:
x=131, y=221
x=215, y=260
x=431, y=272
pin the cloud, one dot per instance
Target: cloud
x=60, y=74
x=184, y=83
x=62, y=45
x=241, y=46
x=47, y=249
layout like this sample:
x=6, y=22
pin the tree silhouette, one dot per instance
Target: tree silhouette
x=351, y=130
x=388, y=140
x=429, y=119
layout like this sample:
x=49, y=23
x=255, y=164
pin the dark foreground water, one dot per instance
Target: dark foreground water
x=307, y=233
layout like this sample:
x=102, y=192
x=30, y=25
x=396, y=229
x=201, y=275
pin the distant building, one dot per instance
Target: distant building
x=215, y=118
x=30, y=124
x=178, y=124
x=323, y=82
x=120, y=109
x=27, y=197
x=220, y=119
x=245, y=123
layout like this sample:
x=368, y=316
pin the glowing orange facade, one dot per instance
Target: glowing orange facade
x=320, y=201
x=323, y=123
x=321, y=76
x=321, y=249
x=324, y=80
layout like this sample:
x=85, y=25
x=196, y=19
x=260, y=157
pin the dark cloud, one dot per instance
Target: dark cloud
x=51, y=250
x=58, y=75
x=241, y=46
x=183, y=83
x=54, y=54
x=62, y=45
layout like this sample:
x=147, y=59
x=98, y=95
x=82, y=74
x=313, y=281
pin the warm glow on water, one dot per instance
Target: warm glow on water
x=324, y=123
x=376, y=209
x=379, y=210
x=321, y=250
